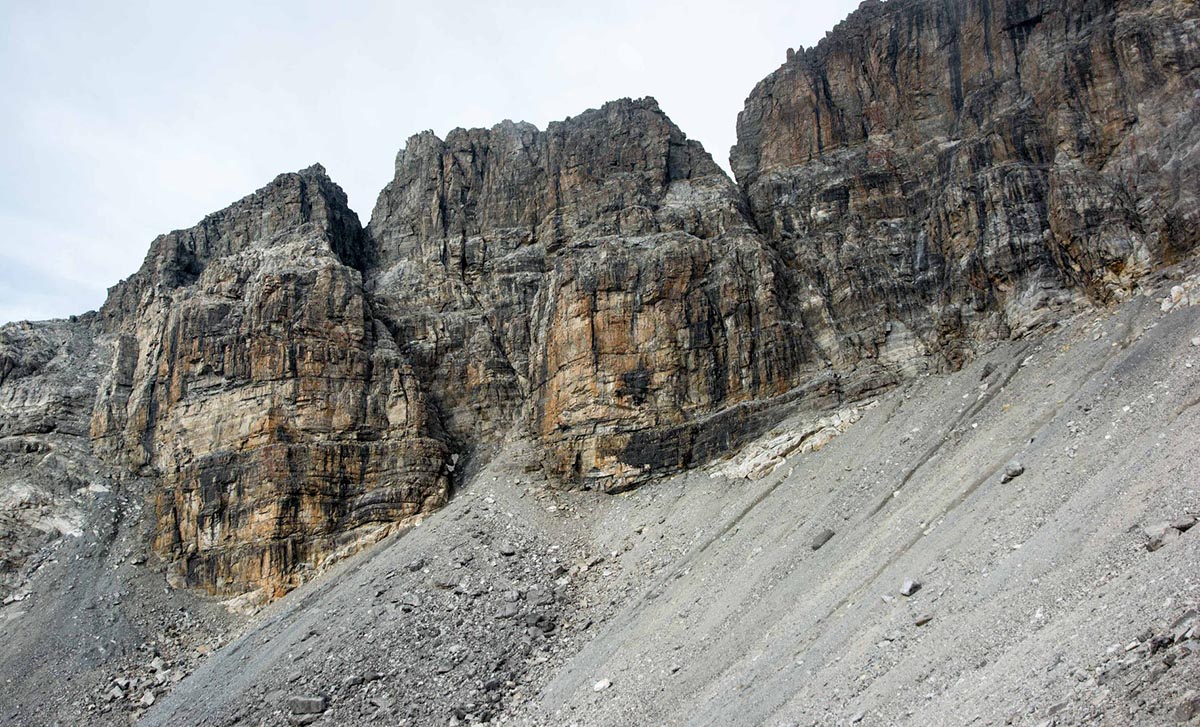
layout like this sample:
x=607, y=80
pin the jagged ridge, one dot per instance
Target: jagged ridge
x=301, y=385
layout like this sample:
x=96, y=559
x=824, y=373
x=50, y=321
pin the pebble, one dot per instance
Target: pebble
x=601, y=685
x=1188, y=708
x=1013, y=470
x=822, y=538
x=909, y=588
x=1183, y=524
x=306, y=705
x=1160, y=536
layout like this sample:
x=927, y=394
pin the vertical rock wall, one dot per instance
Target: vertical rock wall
x=934, y=174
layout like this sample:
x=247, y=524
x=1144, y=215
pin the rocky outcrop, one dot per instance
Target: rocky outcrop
x=252, y=378
x=933, y=173
x=48, y=378
x=598, y=280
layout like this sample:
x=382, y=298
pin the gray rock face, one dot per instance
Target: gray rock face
x=933, y=173
x=930, y=176
x=598, y=280
x=49, y=372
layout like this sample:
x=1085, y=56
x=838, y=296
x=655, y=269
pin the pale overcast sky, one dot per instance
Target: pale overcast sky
x=123, y=120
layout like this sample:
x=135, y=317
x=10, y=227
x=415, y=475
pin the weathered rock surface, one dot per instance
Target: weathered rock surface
x=599, y=278
x=48, y=379
x=933, y=173
x=930, y=176
x=252, y=378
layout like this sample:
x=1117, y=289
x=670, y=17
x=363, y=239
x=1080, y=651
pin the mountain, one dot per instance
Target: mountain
x=939, y=190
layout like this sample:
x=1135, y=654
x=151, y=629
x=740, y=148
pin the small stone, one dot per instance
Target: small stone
x=506, y=549
x=416, y=565
x=822, y=537
x=306, y=705
x=909, y=588
x=1196, y=341
x=147, y=698
x=114, y=694
x=1157, y=530
x=1188, y=708
x=1159, y=541
x=508, y=610
x=1013, y=470
x=158, y=664
x=858, y=717
x=1184, y=524
x=922, y=620
x=601, y=685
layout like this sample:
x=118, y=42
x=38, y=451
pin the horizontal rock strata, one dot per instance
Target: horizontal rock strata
x=932, y=175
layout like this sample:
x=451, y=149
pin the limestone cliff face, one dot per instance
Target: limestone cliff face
x=598, y=280
x=49, y=373
x=251, y=377
x=937, y=172
x=933, y=174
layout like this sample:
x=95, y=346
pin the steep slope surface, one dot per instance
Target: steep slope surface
x=280, y=387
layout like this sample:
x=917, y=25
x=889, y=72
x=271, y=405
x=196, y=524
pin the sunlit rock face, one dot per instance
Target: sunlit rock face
x=933, y=173
x=598, y=280
x=251, y=377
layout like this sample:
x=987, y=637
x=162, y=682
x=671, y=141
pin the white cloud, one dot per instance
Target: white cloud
x=128, y=119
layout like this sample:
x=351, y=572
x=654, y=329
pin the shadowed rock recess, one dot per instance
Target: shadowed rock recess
x=933, y=175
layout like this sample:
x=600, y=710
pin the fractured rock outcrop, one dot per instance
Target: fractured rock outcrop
x=253, y=380
x=600, y=278
x=933, y=173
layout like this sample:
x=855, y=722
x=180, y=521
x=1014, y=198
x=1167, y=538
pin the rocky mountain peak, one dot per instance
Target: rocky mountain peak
x=930, y=178
x=306, y=202
x=1000, y=192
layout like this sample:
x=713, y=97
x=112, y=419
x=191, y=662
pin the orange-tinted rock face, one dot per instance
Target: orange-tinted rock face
x=282, y=420
x=932, y=175
x=598, y=281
